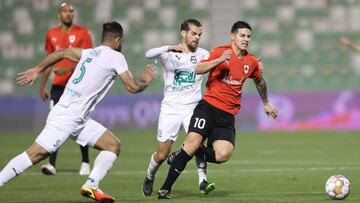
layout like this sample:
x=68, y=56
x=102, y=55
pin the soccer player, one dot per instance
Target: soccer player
x=94, y=75
x=213, y=118
x=182, y=92
x=64, y=36
x=345, y=41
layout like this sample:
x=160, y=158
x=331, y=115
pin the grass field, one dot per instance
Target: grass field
x=265, y=167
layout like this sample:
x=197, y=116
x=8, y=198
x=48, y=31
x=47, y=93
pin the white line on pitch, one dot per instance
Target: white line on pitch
x=253, y=170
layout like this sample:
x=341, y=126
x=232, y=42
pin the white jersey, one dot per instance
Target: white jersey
x=94, y=74
x=181, y=84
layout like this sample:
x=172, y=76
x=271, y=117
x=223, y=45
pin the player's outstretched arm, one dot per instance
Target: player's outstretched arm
x=29, y=76
x=134, y=85
x=269, y=109
x=348, y=43
x=156, y=52
x=205, y=67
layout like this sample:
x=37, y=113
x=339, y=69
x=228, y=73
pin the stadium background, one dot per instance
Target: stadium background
x=312, y=79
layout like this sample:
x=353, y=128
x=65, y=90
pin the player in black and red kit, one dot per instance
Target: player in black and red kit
x=214, y=117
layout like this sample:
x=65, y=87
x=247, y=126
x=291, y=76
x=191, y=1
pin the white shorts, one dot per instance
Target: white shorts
x=170, y=120
x=60, y=127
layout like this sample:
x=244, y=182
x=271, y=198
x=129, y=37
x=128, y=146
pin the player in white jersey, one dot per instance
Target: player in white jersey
x=95, y=73
x=182, y=92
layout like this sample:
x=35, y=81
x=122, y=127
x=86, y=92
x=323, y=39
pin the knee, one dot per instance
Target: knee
x=115, y=147
x=162, y=156
x=222, y=156
x=37, y=156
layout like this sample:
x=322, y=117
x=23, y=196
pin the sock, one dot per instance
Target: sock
x=201, y=169
x=84, y=153
x=52, y=158
x=175, y=169
x=15, y=167
x=207, y=154
x=102, y=165
x=152, y=168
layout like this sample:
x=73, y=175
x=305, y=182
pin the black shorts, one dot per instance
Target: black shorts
x=56, y=92
x=212, y=123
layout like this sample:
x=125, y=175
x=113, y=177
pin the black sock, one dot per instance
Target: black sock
x=175, y=169
x=52, y=158
x=85, y=153
x=207, y=154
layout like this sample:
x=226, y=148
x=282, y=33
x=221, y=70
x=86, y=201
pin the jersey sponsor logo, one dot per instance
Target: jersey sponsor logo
x=246, y=69
x=184, y=76
x=229, y=80
x=72, y=38
x=193, y=59
x=53, y=39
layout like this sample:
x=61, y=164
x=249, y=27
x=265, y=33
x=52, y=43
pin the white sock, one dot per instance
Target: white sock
x=152, y=168
x=15, y=167
x=102, y=165
x=201, y=169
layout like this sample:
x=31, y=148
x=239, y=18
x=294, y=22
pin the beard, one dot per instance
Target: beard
x=192, y=46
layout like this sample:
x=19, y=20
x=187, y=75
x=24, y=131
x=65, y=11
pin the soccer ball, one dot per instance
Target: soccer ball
x=337, y=187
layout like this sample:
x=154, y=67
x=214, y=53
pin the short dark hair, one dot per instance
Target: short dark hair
x=185, y=25
x=63, y=4
x=111, y=30
x=239, y=25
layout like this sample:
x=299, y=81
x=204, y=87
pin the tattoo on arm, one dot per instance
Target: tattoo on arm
x=262, y=89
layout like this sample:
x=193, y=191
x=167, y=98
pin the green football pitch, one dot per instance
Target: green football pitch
x=265, y=167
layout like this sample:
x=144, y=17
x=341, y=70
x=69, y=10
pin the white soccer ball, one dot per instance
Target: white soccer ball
x=337, y=187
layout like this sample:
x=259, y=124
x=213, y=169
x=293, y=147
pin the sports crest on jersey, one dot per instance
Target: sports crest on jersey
x=246, y=68
x=193, y=59
x=72, y=38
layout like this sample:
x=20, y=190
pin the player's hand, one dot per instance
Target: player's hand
x=44, y=94
x=270, y=110
x=148, y=73
x=345, y=41
x=226, y=55
x=176, y=48
x=27, y=77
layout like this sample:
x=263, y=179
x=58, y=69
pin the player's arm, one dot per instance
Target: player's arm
x=30, y=75
x=43, y=93
x=156, y=52
x=261, y=87
x=348, y=43
x=134, y=85
x=204, y=67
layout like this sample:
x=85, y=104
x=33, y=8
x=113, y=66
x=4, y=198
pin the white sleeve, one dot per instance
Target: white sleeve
x=120, y=65
x=156, y=52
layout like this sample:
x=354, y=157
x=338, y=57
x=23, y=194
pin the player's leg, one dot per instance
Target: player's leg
x=168, y=128
x=85, y=165
x=49, y=140
x=192, y=142
x=201, y=165
x=55, y=94
x=97, y=136
x=157, y=158
x=21, y=162
x=201, y=124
